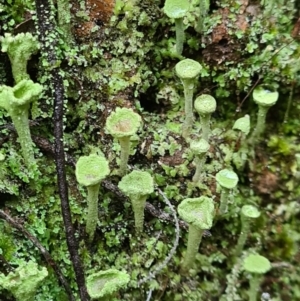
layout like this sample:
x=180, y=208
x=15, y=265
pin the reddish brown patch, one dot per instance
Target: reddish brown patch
x=99, y=12
x=267, y=182
x=222, y=46
x=176, y=159
x=296, y=30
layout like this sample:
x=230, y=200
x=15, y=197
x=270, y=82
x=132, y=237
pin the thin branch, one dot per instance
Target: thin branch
x=158, y=269
x=49, y=41
x=41, y=248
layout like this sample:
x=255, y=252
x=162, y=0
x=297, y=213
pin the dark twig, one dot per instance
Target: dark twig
x=49, y=40
x=41, y=248
x=159, y=268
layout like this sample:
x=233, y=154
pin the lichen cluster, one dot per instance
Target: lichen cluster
x=221, y=143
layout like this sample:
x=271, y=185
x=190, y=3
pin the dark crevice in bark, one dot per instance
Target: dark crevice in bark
x=49, y=40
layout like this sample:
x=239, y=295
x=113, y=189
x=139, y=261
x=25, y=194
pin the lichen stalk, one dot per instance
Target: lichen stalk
x=224, y=201
x=180, y=36
x=243, y=235
x=199, y=161
x=203, y=8
x=124, y=156
x=205, y=126
x=254, y=287
x=260, y=123
x=21, y=124
x=138, y=207
x=92, y=215
x=194, y=240
x=19, y=70
x=188, y=87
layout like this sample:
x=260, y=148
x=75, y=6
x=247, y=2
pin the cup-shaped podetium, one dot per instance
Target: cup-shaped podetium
x=123, y=124
x=177, y=9
x=90, y=171
x=200, y=149
x=242, y=124
x=24, y=281
x=105, y=283
x=228, y=180
x=16, y=101
x=199, y=214
x=248, y=214
x=256, y=265
x=188, y=70
x=137, y=185
x=20, y=48
x=205, y=105
x=265, y=98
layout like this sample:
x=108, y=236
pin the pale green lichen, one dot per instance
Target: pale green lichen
x=90, y=171
x=188, y=70
x=199, y=214
x=16, y=101
x=123, y=124
x=264, y=98
x=177, y=9
x=257, y=265
x=243, y=124
x=137, y=186
x=105, y=283
x=205, y=105
x=228, y=180
x=248, y=213
x=20, y=48
x=24, y=281
x=200, y=149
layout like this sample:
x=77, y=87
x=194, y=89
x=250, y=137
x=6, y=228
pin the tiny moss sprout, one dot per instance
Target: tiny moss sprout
x=177, y=9
x=16, y=101
x=188, y=70
x=20, y=49
x=90, y=171
x=205, y=105
x=106, y=283
x=198, y=213
x=248, y=213
x=137, y=185
x=200, y=149
x=24, y=280
x=123, y=124
x=228, y=180
x=256, y=265
x=264, y=98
